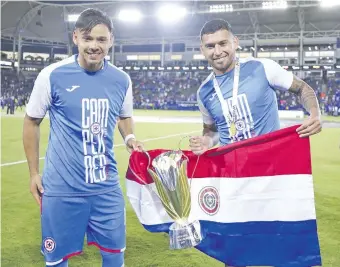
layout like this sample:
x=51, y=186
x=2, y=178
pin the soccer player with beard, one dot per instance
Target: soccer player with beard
x=237, y=100
x=79, y=191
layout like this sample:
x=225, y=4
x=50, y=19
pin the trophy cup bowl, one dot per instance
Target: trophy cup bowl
x=173, y=189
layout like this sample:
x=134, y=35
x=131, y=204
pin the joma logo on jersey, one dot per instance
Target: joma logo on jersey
x=94, y=124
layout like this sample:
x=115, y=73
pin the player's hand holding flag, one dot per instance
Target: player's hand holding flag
x=134, y=145
x=312, y=125
x=200, y=144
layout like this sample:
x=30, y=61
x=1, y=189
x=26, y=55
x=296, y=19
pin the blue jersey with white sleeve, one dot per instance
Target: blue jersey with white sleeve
x=256, y=105
x=83, y=108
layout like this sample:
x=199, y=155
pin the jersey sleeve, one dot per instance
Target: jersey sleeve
x=278, y=77
x=127, y=108
x=40, y=99
x=207, y=119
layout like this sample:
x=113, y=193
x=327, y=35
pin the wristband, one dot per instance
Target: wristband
x=128, y=137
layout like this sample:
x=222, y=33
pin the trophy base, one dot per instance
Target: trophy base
x=185, y=236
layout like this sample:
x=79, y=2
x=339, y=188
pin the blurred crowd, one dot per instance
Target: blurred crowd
x=15, y=90
x=164, y=91
x=331, y=100
x=170, y=90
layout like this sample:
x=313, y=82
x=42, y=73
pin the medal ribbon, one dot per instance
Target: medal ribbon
x=231, y=119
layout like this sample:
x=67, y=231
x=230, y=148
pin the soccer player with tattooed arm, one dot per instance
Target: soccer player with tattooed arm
x=238, y=99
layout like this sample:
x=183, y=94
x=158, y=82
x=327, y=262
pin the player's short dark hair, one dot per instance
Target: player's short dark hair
x=90, y=18
x=215, y=25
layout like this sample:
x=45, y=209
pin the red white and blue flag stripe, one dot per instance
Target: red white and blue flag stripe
x=254, y=200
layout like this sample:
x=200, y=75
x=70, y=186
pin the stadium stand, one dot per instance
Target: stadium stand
x=165, y=63
x=172, y=91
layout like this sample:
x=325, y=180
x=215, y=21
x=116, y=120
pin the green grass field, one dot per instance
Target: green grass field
x=20, y=244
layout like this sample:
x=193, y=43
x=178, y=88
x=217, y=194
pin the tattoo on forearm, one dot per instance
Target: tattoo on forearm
x=209, y=128
x=305, y=93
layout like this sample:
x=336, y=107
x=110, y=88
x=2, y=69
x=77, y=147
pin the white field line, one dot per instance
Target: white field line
x=119, y=145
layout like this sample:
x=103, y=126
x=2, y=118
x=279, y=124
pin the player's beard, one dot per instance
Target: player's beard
x=224, y=64
x=93, y=61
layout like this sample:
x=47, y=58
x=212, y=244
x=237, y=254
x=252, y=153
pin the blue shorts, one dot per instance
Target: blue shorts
x=66, y=220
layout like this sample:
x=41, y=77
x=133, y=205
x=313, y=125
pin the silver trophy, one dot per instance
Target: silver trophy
x=170, y=177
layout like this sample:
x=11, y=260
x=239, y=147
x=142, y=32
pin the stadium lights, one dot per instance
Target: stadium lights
x=171, y=13
x=337, y=66
x=220, y=8
x=329, y=3
x=274, y=4
x=73, y=17
x=130, y=15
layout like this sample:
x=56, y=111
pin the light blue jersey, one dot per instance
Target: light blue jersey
x=257, y=108
x=83, y=109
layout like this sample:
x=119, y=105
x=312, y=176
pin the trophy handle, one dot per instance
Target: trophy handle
x=150, y=190
x=179, y=147
x=187, y=158
x=149, y=158
x=180, y=142
x=135, y=174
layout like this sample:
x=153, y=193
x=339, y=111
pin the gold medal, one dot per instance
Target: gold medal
x=232, y=129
